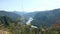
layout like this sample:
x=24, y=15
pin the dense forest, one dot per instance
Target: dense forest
x=47, y=22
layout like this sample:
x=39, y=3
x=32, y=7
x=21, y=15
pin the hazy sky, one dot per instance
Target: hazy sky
x=29, y=5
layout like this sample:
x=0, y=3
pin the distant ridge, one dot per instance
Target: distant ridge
x=12, y=15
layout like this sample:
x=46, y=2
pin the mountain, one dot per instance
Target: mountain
x=12, y=15
x=46, y=18
x=42, y=18
x=20, y=13
x=26, y=15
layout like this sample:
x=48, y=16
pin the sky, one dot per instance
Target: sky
x=29, y=5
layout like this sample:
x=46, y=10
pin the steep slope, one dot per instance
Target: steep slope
x=46, y=18
x=9, y=14
x=43, y=18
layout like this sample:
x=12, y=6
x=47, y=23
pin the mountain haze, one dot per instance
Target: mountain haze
x=43, y=18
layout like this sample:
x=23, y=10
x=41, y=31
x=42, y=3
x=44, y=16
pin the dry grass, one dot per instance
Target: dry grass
x=4, y=32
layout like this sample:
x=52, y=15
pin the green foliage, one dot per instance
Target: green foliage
x=16, y=28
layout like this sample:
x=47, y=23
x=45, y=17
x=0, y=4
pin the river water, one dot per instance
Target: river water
x=29, y=22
